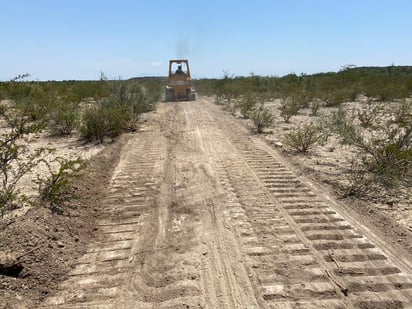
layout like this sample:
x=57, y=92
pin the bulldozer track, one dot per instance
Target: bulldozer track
x=200, y=214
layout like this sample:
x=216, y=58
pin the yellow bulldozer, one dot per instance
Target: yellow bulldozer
x=179, y=83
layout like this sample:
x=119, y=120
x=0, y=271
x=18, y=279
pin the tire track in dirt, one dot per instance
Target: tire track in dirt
x=124, y=215
x=162, y=244
x=303, y=253
x=137, y=263
x=199, y=214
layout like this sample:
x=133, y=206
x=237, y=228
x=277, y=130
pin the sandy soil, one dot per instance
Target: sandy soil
x=390, y=212
x=201, y=213
x=330, y=164
x=45, y=245
x=67, y=147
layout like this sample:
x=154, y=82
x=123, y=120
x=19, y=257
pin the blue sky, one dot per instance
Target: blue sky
x=77, y=39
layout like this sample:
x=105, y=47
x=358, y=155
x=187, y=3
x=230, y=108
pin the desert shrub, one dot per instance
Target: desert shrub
x=36, y=109
x=227, y=89
x=387, y=147
x=368, y=114
x=246, y=105
x=359, y=181
x=392, y=165
x=402, y=113
x=134, y=99
x=341, y=123
x=336, y=97
x=15, y=162
x=142, y=99
x=315, y=105
x=3, y=109
x=303, y=138
x=288, y=107
x=120, y=111
x=218, y=99
x=104, y=120
x=37, y=103
x=64, y=118
x=261, y=117
x=55, y=187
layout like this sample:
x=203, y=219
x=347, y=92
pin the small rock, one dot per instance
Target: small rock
x=204, y=252
x=278, y=144
x=60, y=244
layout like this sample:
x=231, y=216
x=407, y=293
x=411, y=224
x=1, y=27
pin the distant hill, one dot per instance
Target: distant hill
x=146, y=78
x=388, y=69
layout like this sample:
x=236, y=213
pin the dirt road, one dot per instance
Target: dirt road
x=202, y=214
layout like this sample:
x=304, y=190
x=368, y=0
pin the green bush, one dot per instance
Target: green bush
x=359, y=181
x=315, y=105
x=54, y=189
x=387, y=146
x=390, y=163
x=64, y=118
x=369, y=114
x=246, y=105
x=341, y=123
x=288, y=107
x=120, y=111
x=3, y=109
x=303, y=138
x=336, y=97
x=14, y=160
x=105, y=120
x=402, y=113
x=261, y=117
x=37, y=103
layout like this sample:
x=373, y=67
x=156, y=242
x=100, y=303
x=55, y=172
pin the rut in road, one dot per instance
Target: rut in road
x=200, y=214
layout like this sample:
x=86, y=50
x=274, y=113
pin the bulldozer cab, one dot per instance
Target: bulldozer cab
x=178, y=68
x=179, y=82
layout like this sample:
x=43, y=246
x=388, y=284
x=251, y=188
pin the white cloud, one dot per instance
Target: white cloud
x=155, y=64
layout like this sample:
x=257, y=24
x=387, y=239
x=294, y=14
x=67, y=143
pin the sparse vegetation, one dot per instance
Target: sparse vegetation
x=359, y=180
x=379, y=133
x=341, y=123
x=15, y=162
x=246, y=105
x=104, y=120
x=64, y=118
x=315, y=106
x=119, y=112
x=261, y=117
x=97, y=109
x=369, y=114
x=303, y=138
x=380, y=83
x=55, y=187
x=385, y=147
x=3, y=110
x=288, y=107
